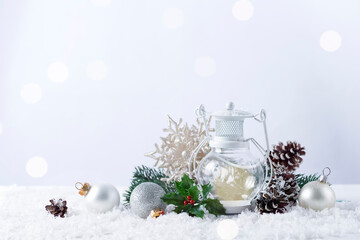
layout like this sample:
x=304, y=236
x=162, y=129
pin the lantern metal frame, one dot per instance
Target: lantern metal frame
x=265, y=160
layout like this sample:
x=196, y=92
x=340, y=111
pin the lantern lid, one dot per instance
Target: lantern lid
x=229, y=131
x=232, y=114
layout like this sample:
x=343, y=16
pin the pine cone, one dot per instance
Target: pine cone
x=57, y=208
x=286, y=158
x=282, y=193
x=270, y=204
x=287, y=187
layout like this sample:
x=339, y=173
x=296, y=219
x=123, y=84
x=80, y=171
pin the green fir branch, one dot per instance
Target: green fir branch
x=303, y=179
x=146, y=174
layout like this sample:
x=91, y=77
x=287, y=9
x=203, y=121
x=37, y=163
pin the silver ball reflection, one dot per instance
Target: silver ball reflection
x=102, y=198
x=146, y=197
x=317, y=196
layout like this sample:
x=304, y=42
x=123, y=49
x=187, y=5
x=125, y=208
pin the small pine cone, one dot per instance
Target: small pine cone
x=286, y=158
x=287, y=188
x=282, y=193
x=57, y=208
x=268, y=203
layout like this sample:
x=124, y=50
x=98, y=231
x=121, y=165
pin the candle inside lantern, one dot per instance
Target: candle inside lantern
x=232, y=183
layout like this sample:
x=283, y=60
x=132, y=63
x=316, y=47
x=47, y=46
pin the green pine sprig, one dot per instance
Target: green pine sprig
x=188, y=198
x=303, y=179
x=146, y=174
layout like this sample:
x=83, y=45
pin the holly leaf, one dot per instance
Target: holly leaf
x=173, y=198
x=196, y=211
x=187, y=187
x=186, y=182
x=180, y=188
x=214, y=207
x=194, y=192
x=206, y=190
x=182, y=208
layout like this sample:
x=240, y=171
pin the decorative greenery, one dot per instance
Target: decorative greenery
x=146, y=174
x=303, y=179
x=188, y=198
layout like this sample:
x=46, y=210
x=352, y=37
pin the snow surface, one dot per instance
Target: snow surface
x=23, y=216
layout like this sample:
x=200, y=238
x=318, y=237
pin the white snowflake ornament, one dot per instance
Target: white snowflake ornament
x=174, y=153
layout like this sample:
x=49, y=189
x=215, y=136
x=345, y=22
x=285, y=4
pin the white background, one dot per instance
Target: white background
x=93, y=121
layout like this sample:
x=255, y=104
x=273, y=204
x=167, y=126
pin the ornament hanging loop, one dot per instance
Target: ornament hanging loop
x=83, y=188
x=77, y=185
x=325, y=173
x=328, y=169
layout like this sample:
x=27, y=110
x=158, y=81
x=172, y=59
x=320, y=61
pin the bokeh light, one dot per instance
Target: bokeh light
x=31, y=93
x=173, y=18
x=97, y=70
x=58, y=72
x=101, y=3
x=205, y=66
x=36, y=167
x=243, y=10
x=330, y=41
x=227, y=229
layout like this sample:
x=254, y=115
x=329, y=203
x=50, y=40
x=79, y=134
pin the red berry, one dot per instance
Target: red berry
x=192, y=202
x=188, y=197
x=162, y=213
x=185, y=202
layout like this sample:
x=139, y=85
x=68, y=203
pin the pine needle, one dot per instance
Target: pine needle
x=303, y=179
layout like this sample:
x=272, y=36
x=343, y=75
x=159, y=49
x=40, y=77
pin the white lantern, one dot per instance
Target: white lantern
x=235, y=173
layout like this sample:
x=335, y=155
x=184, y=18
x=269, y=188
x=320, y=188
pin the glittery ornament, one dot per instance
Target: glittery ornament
x=145, y=198
x=99, y=198
x=317, y=195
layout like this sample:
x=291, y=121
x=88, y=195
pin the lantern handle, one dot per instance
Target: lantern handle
x=200, y=113
x=261, y=117
x=192, y=161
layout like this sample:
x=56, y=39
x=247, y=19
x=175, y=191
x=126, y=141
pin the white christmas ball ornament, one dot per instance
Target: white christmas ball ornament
x=100, y=198
x=145, y=198
x=317, y=195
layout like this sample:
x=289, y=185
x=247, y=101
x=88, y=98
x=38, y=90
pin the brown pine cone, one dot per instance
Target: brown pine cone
x=268, y=203
x=286, y=158
x=283, y=192
x=287, y=187
x=57, y=208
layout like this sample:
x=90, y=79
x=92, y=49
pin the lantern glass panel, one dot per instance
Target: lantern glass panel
x=234, y=173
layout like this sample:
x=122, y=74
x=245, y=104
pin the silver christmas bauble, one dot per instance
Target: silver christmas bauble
x=317, y=195
x=102, y=198
x=146, y=197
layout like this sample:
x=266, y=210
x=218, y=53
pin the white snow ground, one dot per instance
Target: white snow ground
x=23, y=216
